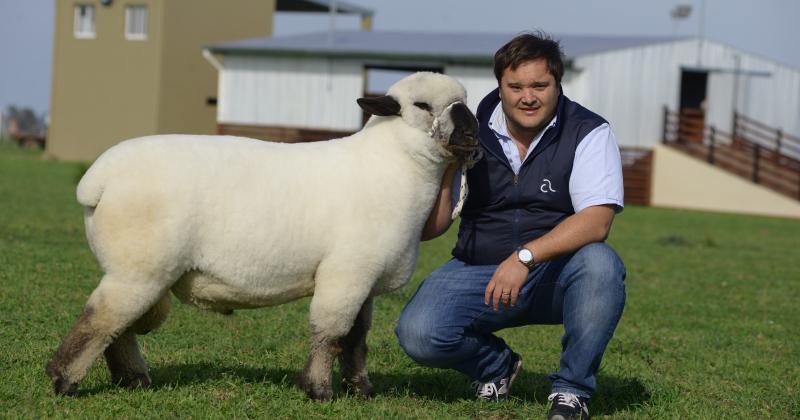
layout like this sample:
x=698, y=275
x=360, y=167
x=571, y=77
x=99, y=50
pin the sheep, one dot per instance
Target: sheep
x=232, y=223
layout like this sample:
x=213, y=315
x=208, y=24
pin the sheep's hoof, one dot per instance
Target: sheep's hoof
x=62, y=387
x=316, y=392
x=359, y=388
x=133, y=381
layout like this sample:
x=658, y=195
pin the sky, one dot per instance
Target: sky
x=765, y=27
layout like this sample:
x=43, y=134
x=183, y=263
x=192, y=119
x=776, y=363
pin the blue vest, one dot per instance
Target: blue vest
x=504, y=211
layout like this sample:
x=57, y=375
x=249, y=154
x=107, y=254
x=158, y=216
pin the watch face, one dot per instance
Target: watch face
x=525, y=255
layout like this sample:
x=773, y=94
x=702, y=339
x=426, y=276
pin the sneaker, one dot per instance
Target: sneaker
x=568, y=407
x=496, y=391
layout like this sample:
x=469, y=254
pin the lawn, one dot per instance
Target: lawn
x=708, y=331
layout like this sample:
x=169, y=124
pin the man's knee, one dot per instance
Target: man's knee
x=423, y=341
x=596, y=285
x=600, y=263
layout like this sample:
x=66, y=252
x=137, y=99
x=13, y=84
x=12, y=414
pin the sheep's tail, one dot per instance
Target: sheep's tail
x=91, y=186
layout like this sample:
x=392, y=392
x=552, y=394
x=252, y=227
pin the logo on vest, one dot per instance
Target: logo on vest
x=546, y=186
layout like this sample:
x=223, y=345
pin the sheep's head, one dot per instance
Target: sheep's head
x=435, y=104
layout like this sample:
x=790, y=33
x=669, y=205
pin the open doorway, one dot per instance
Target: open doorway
x=692, y=106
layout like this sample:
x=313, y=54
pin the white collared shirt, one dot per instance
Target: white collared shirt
x=497, y=122
x=596, y=177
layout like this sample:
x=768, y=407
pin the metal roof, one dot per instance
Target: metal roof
x=475, y=48
x=320, y=6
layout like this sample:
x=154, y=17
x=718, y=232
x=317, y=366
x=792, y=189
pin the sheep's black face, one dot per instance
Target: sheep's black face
x=463, y=140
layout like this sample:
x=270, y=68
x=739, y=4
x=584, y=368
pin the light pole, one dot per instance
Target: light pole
x=701, y=32
x=681, y=11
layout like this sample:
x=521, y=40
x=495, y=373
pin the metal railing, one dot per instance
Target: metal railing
x=755, y=151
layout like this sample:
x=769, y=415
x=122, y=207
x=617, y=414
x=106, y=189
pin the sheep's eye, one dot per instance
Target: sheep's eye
x=423, y=105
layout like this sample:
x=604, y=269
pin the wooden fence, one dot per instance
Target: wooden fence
x=754, y=151
x=637, y=170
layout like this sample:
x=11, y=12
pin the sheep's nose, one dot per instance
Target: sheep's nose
x=464, y=120
x=466, y=127
x=460, y=112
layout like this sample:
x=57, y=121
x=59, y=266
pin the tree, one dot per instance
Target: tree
x=26, y=119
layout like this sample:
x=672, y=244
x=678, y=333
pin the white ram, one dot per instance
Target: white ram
x=228, y=223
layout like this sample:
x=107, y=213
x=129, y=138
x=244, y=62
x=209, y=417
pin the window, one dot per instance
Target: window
x=84, y=21
x=136, y=22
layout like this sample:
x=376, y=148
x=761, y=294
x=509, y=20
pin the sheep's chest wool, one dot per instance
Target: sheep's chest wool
x=228, y=223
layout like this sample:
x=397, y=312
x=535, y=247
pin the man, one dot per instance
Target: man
x=530, y=245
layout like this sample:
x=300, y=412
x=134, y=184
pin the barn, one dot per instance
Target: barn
x=702, y=125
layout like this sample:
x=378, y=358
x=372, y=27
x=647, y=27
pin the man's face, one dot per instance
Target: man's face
x=529, y=95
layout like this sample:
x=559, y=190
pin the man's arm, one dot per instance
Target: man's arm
x=591, y=224
x=439, y=219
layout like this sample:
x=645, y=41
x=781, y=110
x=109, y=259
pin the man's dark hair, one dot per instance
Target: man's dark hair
x=529, y=46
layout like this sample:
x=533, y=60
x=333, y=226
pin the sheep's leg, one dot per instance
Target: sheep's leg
x=316, y=377
x=111, y=309
x=338, y=298
x=123, y=357
x=125, y=362
x=353, y=358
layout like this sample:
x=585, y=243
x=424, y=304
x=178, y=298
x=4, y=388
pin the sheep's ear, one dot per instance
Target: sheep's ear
x=380, y=105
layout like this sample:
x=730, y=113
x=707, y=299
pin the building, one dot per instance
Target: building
x=124, y=69
x=304, y=87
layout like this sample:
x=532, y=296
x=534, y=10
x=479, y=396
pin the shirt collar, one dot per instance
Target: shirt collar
x=497, y=122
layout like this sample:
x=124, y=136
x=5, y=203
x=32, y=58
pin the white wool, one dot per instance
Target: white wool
x=229, y=222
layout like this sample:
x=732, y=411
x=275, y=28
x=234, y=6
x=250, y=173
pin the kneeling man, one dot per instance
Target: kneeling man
x=530, y=246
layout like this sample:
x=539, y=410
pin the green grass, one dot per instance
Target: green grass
x=709, y=331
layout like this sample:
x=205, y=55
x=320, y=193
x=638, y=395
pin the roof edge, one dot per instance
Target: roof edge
x=356, y=55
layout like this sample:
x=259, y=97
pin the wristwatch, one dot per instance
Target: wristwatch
x=525, y=256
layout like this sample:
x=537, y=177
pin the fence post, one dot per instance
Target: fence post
x=712, y=143
x=756, y=156
x=665, y=119
x=779, y=140
x=735, y=128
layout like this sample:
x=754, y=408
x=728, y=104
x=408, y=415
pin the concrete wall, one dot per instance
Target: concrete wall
x=108, y=88
x=187, y=79
x=680, y=181
x=104, y=88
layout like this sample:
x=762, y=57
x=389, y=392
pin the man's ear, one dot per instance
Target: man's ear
x=380, y=105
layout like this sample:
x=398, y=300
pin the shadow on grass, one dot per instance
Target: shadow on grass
x=615, y=393
x=432, y=384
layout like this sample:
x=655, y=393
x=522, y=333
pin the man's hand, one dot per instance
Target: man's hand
x=505, y=283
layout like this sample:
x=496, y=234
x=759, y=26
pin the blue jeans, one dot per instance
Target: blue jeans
x=447, y=325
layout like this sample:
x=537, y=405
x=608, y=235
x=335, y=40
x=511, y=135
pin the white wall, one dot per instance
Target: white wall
x=629, y=88
x=290, y=92
x=719, y=103
x=773, y=100
x=478, y=80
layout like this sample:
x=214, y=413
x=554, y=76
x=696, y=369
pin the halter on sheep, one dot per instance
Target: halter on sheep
x=229, y=223
x=469, y=157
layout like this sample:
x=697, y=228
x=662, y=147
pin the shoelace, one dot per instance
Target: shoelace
x=486, y=390
x=565, y=399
